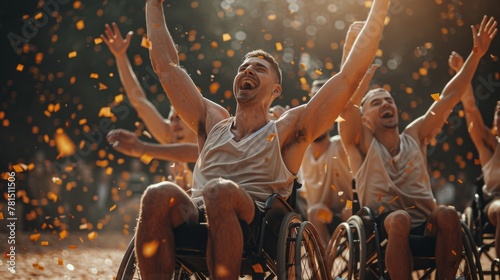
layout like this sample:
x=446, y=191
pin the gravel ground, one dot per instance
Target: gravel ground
x=77, y=256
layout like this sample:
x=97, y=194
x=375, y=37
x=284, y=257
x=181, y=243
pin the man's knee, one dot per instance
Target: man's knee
x=158, y=195
x=444, y=218
x=398, y=223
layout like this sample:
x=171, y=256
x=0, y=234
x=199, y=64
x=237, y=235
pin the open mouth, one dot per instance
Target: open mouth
x=387, y=115
x=248, y=84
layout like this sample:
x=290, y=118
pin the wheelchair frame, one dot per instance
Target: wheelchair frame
x=286, y=247
x=365, y=256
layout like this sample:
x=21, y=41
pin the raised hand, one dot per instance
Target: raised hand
x=125, y=142
x=114, y=40
x=485, y=34
x=455, y=61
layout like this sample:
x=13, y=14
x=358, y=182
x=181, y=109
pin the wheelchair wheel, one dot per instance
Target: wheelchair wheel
x=359, y=246
x=286, y=245
x=339, y=254
x=309, y=254
x=470, y=265
x=128, y=269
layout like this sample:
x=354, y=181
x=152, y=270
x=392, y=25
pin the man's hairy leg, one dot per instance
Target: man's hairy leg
x=444, y=224
x=164, y=206
x=226, y=204
x=398, y=258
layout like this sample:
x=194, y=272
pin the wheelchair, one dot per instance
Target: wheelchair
x=284, y=247
x=482, y=230
x=356, y=251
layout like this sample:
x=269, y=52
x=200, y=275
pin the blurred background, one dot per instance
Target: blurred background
x=61, y=94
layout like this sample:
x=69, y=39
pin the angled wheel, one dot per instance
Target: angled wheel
x=286, y=246
x=340, y=257
x=310, y=260
x=358, y=246
x=128, y=269
x=470, y=265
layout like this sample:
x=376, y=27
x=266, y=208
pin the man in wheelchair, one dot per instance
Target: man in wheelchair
x=390, y=168
x=243, y=159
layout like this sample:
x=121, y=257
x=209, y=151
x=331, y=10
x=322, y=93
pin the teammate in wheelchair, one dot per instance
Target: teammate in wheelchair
x=390, y=167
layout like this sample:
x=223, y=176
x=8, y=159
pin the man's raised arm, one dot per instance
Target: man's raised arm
x=430, y=124
x=333, y=96
x=181, y=90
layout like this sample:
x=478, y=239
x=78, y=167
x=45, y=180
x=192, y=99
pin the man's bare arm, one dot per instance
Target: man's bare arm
x=155, y=122
x=333, y=96
x=181, y=90
x=429, y=125
x=129, y=144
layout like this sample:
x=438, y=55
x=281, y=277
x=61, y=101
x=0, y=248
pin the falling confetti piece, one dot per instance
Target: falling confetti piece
x=279, y=46
x=112, y=208
x=271, y=137
x=150, y=248
x=35, y=237
x=429, y=226
x=97, y=41
x=226, y=37
x=102, y=86
x=80, y=25
x=63, y=234
x=72, y=54
x=38, y=16
x=394, y=199
x=379, y=197
x=339, y=119
x=92, y=235
x=171, y=201
x=1, y=215
x=94, y=75
x=436, y=96
x=20, y=67
x=73, y=247
x=64, y=144
x=105, y=112
x=119, y=98
x=453, y=252
x=44, y=243
x=145, y=43
x=146, y=158
x=20, y=167
x=348, y=204
x=381, y=209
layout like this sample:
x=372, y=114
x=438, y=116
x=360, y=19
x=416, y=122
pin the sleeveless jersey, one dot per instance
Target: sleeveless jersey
x=254, y=163
x=386, y=183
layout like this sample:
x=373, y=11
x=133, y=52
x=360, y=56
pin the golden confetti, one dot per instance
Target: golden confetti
x=436, y=96
x=64, y=144
x=150, y=248
x=20, y=67
x=72, y=54
x=97, y=41
x=381, y=209
x=60, y=261
x=105, y=112
x=339, y=119
x=20, y=167
x=453, y=252
x=171, y=201
x=63, y=234
x=38, y=16
x=1, y=215
x=145, y=43
x=73, y=247
x=119, y=98
x=429, y=226
x=146, y=158
x=226, y=37
x=394, y=199
x=348, y=204
x=333, y=187
x=102, y=86
x=35, y=237
x=52, y=196
x=279, y=46
x=44, y=243
x=92, y=235
x=80, y=25
x=94, y=75
x=112, y=208
x=379, y=197
x=271, y=137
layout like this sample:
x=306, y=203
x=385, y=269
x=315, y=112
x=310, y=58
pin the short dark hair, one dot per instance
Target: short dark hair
x=269, y=58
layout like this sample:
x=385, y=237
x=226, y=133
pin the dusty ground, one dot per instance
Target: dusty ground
x=74, y=257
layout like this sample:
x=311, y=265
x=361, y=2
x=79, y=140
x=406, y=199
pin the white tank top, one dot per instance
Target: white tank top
x=329, y=171
x=386, y=183
x=254, y=163
x=491, y=173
